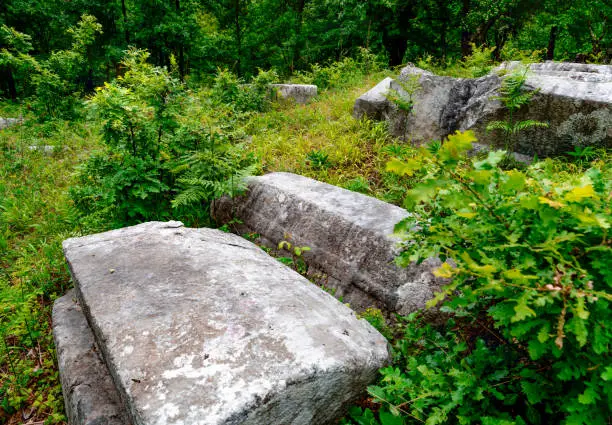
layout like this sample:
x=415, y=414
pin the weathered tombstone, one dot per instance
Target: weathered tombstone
x=90, y=397
x=299, y=93
x=197, y=326
x=9, y=122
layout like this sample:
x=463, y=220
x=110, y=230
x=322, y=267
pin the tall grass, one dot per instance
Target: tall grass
x=35, y=216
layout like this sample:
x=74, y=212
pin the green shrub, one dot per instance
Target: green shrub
x=375, y=318
x=341, y=73
x=318, y=159
x=530, y=276
x=229, y=91
x=58, y=91
x=160, y=161
x=477, y=64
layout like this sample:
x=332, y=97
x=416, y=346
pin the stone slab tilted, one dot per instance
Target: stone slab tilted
x=350, y=236
x=202, y=327
x=90, y=397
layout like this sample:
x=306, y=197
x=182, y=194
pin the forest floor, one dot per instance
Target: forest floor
x=320, y=140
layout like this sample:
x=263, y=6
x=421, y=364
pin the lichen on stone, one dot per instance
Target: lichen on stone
x=586, y=129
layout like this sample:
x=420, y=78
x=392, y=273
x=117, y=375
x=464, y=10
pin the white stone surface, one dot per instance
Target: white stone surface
x=201, y=327
x=299, y=93
x=9, y=122
x=90, y=397
x=574, y=99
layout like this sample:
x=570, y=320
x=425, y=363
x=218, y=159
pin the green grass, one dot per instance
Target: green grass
x=320, y=140
x=35, y=216
x=291, y=138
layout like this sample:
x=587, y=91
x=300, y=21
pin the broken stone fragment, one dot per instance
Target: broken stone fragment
x=9, y=122
x=374, y=104
x=575, y=100
x=202, y=327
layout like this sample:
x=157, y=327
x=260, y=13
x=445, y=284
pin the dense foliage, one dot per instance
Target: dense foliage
x=528, y=258
x=290, y=35
x=158, y=154
x=35, y=216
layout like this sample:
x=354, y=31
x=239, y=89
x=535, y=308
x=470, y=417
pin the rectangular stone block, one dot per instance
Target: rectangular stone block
x=202, y=327
x=90, y=397
x=299, y=93
x=350, y=236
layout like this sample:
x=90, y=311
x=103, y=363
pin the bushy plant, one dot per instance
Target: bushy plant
x=230, y=91
x=341, y=73
x=14, y=58
x=529, y=258
x=60, y=80
x=477, y=64
x=212, y=172
x=318, y=159
x=159, y=162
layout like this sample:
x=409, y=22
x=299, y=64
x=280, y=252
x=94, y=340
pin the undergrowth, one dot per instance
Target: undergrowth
x=528, y=260
x=44, y=166
x=196, y=143
x=35, y=216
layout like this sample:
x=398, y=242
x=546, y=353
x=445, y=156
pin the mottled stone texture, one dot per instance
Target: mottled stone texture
x=574, y=99
x=350, y=236
x=202, y=327
x=8, y=122
x=299, y=93
x=89, y=394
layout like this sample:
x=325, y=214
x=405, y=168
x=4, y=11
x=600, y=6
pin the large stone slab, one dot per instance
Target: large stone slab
x=574, y=99
x=90, y=397
x=350, y=236
x=202, y=327
x=299, y=93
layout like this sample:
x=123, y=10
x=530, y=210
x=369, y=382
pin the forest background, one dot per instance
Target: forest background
x=292, y=35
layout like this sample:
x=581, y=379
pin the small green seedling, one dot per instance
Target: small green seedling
x=296, y=260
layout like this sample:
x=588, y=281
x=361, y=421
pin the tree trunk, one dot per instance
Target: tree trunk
x=11, y=84
x=466, y=36
x=297, y=47
x=125, y=22
x=595, y=40
x=181, y=47
x=396, y=42
x=552, y=40
x=238, y=31
x=443, y=30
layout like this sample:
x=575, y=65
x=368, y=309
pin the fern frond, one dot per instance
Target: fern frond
x=522, y=125
x=517, y=101
x=499, y=125
x=190, y=196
